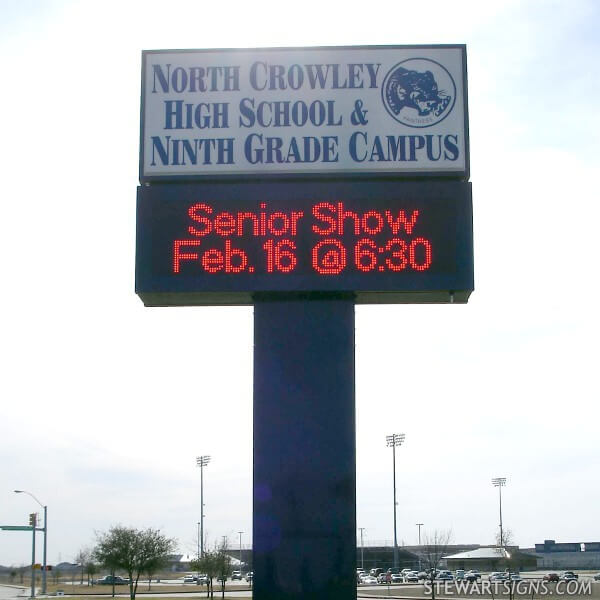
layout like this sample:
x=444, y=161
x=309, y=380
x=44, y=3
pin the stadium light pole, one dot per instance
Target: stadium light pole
x=202, y=461
x=45, y=530
x=198, y=549
x=500, y=482
x=394, y=440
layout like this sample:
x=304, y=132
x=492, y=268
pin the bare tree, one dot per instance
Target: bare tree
x=434, y=548
x=508, y=538
x=82, y=558
x=91, y=568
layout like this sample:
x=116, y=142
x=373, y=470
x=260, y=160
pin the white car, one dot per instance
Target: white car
x=369, y=580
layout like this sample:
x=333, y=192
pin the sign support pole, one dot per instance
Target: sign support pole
x=304, y=497
x=33, y=558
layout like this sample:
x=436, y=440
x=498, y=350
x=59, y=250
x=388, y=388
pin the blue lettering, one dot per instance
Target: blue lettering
x=415, y=142
x=181, y=152
x=246, y=112
x=353, y=143
x=254, y=75
x=315, y=73
x=430, y=154
x=450, y=144
x=162, y=80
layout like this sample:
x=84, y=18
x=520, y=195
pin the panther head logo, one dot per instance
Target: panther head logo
x=414, y=98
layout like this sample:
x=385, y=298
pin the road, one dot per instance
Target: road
x=7, y=592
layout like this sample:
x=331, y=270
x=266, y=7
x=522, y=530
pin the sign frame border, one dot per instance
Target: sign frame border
x=462, y=175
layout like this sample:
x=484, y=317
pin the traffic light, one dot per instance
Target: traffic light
x=33, y=519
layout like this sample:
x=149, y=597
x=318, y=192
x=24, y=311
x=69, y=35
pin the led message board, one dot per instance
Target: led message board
x=377, y=110
x=384, y=241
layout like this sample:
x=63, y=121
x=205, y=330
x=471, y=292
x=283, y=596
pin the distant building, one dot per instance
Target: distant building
x=492, y=558
x=572, y=555
x=180, y=562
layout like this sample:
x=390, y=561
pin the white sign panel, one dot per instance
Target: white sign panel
x=375, y=110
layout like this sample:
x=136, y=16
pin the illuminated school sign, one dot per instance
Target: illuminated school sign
x=374, y=110
x=214, y=243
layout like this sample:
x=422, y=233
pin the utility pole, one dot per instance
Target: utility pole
x=362, y=555
x=395, y=440
x=419, y=525
x=202, y=461
x=240, y=532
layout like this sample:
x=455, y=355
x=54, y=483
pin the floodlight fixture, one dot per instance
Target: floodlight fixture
x=202, y=461
x=395, y=439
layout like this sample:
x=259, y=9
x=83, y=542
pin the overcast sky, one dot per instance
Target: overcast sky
x=106, y=404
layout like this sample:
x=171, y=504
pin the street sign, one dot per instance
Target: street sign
x=351, y=111
x=16, y=527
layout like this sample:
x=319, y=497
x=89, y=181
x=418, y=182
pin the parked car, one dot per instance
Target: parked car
x=473, y=573
x=568, y=576
x=190, y=579
x=375, y=571
x=515, y=577
x=110, y=580
x=551, y=577
x=202, y=579
x=445, y=576
x=497, y=576
x=249, y=576
x=236, y=575
x=459, y=574
x=383, y=578
x=597, y=577
x=369, y=580
x=410, y=577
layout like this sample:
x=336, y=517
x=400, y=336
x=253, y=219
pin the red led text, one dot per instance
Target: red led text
x=335, y=217
x=329, y=240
